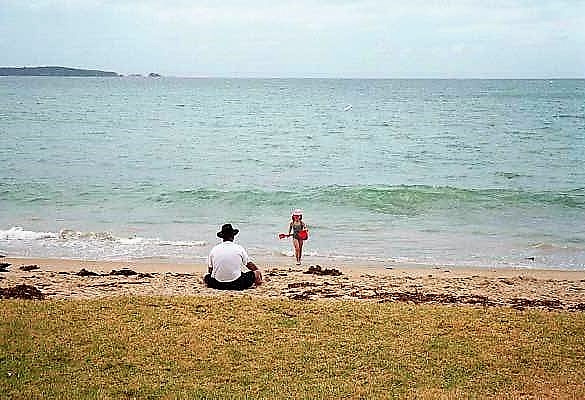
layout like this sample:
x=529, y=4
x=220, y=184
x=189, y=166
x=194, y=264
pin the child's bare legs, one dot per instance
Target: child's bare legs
x=298, y=250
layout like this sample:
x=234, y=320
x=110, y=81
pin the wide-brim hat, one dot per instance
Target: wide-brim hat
x=227, y=230
x=297, y=211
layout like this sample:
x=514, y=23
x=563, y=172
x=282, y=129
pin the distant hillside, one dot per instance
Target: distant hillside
x=54, y=71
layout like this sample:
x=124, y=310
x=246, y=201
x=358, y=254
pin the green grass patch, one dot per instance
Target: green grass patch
x=233, y=347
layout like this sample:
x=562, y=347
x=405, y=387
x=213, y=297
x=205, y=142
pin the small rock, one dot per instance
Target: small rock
x=29, y=267
x=3, y=267
x=85, y=272
x=124, y=272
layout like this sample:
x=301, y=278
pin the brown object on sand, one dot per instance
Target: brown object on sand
x=300, y=284
x=26, y=292
x=85, y=272
x=29, y=267
x=3, y=267
x=317, y=270
x=123, y=272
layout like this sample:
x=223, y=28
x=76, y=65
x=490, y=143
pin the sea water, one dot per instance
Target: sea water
x=460, y=172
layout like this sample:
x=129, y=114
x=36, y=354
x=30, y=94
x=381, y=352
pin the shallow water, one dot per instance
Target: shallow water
x=465, y=172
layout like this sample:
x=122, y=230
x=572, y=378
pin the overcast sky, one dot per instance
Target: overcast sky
x=300, y=38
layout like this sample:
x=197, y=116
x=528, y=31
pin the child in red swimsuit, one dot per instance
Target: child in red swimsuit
x=299, y=233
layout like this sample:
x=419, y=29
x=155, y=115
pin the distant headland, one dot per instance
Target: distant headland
x=54, y=71
x=64, y=71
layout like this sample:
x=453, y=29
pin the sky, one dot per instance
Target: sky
x=300, y=38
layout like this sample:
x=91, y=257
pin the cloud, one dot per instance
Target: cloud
x=336, y=37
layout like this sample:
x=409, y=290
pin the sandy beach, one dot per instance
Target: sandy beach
x=511, y=287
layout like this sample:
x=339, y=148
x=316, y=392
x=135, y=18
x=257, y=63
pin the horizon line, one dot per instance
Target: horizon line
x=236, y=75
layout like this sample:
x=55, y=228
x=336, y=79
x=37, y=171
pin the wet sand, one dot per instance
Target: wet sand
x=510, y=287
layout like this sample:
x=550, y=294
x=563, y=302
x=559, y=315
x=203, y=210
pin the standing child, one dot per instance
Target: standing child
x=299, y=233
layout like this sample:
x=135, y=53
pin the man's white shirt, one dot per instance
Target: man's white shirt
x=226, y=261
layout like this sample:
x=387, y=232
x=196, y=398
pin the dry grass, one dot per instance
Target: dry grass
x=238, y=347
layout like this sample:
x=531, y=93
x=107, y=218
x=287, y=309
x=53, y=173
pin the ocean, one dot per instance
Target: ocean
x=487, y=173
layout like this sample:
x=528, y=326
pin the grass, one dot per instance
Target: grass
x=239, y=347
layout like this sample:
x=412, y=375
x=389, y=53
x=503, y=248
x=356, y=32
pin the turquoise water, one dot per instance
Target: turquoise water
x=462, y=172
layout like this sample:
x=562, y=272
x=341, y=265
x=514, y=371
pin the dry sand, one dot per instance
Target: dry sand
x=513, y=287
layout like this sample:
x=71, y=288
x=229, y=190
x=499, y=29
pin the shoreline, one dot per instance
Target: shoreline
x=519, y=288
x=155, y=264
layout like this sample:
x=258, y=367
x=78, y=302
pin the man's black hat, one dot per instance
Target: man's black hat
x=227, y=231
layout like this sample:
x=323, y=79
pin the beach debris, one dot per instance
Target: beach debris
x=31, y=267
x=315, y=293
x=124, y=272
x=3, y=267
x=300, y=284
x=277, y=272
x=85, y=272
x=26, y=292
x=520, y=304
x=530, y=259
x=578, y=307
x=117, y=284
x=317, y=270
x=106, y=284
x=441, y=298
x=306, y=295
x=179, y=274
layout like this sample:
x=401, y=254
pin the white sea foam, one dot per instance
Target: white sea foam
x=69, y=234
x=550, y=247
x=70, y=237
x=18, y=233
x=186, y=243
x=69, y=243
x=286, y=253
x=131, y=241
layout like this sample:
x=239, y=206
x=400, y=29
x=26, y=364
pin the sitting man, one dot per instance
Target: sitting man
x=226, y=261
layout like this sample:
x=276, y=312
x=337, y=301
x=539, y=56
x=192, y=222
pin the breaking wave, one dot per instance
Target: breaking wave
x=18, y=233
x=398, y=200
